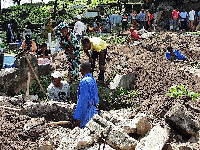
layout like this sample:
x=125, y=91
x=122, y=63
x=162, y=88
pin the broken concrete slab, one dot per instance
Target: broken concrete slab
x=139, y=124
x=116, y=116
x=180, y=118
x=155, y=140
x=126, y=81
x=50, y=110
x=113, y=135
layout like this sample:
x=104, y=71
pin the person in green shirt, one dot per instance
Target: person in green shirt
x=98, y=48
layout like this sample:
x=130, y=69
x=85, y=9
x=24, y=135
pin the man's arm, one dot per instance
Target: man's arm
x=83, y=97
x=69, y=51
x=88, y=54
x=24, y=45
x=34, y=47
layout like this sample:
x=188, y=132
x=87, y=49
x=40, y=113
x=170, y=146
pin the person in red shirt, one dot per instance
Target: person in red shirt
x=175, y=14
x=133, y=36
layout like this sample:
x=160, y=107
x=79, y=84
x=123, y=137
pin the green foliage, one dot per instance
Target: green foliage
x=178, y=91
x=35, y=88
x=116, y=99
x=113, y=40
x=195, y=65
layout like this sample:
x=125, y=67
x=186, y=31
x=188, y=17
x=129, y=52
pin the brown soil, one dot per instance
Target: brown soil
x=155, y=76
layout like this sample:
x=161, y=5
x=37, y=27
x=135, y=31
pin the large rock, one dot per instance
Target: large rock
x=139, y=124
x=14, y=80
x=113, y=135
x=126, y=81
x=183, y=120
x=50, y=110
x=155, y=140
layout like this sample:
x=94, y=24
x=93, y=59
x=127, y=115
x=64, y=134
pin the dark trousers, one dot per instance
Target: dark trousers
x=124, y=25
x=95, y=55
x=184, y=24
x=142, y=24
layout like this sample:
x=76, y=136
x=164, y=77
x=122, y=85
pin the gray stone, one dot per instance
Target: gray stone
x=50, y=110
x=126, y=81
x=139, y=124
x=181, y=119
x=155, y=140
x=113, y=135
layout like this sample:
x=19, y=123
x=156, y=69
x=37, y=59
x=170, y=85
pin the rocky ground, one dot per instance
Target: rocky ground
x=154, y=77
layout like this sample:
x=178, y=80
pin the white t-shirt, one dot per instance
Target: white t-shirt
x=79, y=27
x=57, y=94
x=191, y=15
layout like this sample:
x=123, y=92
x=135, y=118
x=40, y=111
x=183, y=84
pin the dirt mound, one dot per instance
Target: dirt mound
x=154, y=77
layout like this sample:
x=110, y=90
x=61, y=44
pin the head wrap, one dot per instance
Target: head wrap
x=63, y=25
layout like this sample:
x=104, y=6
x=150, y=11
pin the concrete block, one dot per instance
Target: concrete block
x=155, y=140
x=113, y=135
x=139, y=124
x=182, y=120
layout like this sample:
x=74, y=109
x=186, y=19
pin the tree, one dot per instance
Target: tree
x=55, y=6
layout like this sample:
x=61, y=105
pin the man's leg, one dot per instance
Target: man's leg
x=101, y=74
x=198, y=27
x=174, y=24
x=182, y=25
x=192, y=25
x=94, y=56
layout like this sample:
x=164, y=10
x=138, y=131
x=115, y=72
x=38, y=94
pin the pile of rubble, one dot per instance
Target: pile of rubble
x=29, y=126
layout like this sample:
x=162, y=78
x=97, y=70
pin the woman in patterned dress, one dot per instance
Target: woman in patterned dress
x=69, y=43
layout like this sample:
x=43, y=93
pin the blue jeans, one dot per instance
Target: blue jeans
x=94, y=56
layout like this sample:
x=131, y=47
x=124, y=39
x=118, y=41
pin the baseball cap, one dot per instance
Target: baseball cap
x=56, y=74
x=78, y=17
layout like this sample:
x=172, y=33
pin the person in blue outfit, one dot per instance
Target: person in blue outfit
x=87, y=97
x=142, y=18
x=174, y=54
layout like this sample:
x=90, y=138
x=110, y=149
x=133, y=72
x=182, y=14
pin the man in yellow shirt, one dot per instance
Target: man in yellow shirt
x=98, y=48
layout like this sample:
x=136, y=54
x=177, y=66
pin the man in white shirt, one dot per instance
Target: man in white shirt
x=191, y=20
x=58, y=90
x=79, y=27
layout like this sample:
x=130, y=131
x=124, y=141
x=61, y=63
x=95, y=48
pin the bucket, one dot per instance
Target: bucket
x=1, y=60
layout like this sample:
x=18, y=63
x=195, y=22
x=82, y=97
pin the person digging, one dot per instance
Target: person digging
x=174, y=54
x=98, y=48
